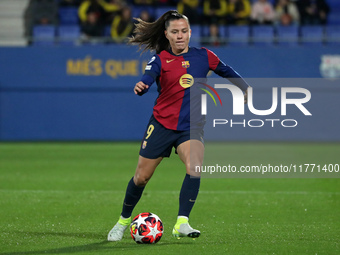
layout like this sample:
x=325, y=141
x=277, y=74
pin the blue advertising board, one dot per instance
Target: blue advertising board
x=86, y=93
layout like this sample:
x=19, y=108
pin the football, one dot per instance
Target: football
x=146, y=228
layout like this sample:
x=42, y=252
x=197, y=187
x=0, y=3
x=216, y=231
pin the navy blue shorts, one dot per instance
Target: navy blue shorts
x=158, y=141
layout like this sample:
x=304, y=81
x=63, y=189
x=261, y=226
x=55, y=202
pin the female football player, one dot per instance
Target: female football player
x=174, y=68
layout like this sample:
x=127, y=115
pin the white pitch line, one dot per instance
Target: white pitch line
x=239, y=192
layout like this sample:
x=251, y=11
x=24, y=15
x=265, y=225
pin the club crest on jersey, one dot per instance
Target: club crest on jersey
x=144, y=144
x=186, y=80
x=185, y=64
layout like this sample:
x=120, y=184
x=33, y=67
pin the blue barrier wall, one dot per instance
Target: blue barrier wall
x=85, y=93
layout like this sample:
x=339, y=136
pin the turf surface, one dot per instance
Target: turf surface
x=63, y=198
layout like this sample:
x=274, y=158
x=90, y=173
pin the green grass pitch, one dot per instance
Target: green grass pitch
x=63, y=198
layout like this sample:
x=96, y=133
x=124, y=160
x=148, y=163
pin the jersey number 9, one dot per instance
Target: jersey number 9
x=149, y=131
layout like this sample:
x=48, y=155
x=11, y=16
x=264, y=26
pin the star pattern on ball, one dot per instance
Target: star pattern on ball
x=138, y=238
x=139, y=221
x=154, y=232
x=146, y=228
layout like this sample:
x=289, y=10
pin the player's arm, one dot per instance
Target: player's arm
x=233, y=76
x=144, y=84
x=229, y=73
x=226, y=71
x=152, y=71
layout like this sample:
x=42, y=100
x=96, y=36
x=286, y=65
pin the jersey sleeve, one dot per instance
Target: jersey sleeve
x=225, y=71
x=151, y=72
x=212, y=59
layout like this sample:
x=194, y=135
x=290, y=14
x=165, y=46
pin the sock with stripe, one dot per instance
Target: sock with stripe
x=132, y=196
x=188, y=194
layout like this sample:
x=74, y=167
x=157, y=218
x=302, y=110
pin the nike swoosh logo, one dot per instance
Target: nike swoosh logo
x=193, y=201
x=168, y=61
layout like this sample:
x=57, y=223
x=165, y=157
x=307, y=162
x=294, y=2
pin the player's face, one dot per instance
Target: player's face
x=178, y=34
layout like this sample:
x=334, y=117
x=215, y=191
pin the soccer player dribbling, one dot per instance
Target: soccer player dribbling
x=173, y=68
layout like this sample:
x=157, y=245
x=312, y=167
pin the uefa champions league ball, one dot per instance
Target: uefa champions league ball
x=146, y=228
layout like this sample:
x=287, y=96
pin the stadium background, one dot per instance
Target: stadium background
x=59, y=90
x=85, y=93
x=63, y=197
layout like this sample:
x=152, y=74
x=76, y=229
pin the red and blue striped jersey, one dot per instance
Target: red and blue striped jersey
x=174, y=74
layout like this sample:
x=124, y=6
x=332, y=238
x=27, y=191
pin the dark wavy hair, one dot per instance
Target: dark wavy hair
x=150, y=35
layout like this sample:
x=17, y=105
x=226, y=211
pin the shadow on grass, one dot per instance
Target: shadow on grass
x=94, y=247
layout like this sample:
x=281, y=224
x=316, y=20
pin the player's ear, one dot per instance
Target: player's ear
x=166, y=34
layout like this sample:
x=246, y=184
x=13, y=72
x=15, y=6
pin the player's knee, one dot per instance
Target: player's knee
x=141, y=179
x=193, y=169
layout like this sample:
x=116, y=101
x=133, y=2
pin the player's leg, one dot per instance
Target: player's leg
x=191, y=153
x=144, y=171
x=157, y=144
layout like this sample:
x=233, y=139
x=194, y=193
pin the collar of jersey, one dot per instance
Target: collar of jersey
x=170, y=51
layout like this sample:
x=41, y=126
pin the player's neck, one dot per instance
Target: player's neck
x=180, y=52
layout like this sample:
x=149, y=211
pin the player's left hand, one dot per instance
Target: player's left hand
x=246, y=96
x=139, y=87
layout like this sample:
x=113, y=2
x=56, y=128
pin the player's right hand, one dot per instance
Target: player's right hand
x=139, y=87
